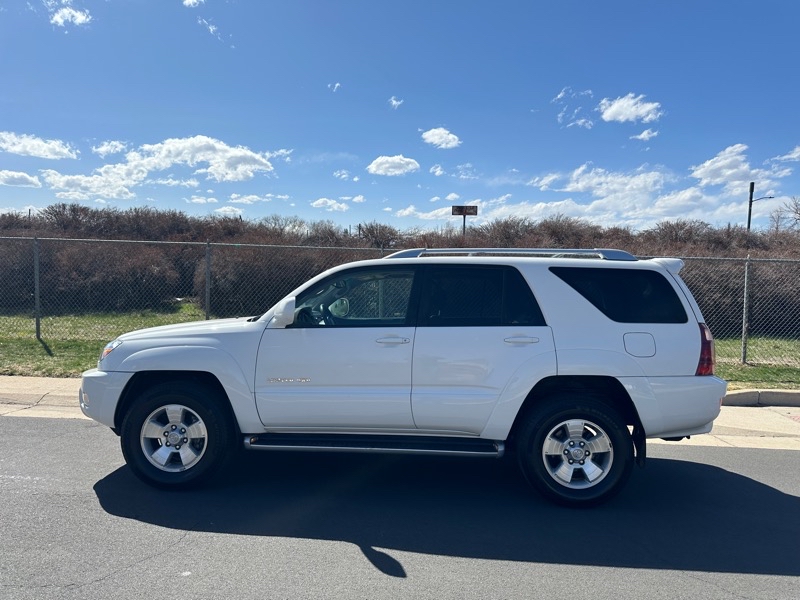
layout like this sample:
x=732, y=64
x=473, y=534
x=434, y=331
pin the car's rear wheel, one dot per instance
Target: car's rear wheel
x=176, y=435
x=575, y=452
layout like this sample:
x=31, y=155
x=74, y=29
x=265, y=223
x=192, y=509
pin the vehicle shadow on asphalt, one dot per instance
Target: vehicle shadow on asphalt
x=673, y=515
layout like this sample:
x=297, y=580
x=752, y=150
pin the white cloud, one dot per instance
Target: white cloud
x=436, y=214
x=568, y=93
x=229, y=211
x=330, y=205
x=334, y=87
x=680, y=202
x=726, y=167
x=645, y=136
x=452, y=197
x=629, y=108
x=466, y=171
x=615, y=186
x=210, y=27
x=248, y=198
x=28, y=145
x=583, y=123
x=731, y=170
x=193, y=3
x=359, y=199
x=437, y=170
x=545, y=181
x=793, y=156
x=638, y=198
x=224, y=163
x=109, y=147
x=441, y=138
x=410, y=211
x=395, y=102
x=393, y=165
x=67, y=14
x=568, y=112
x=342, y=174
x=202, y=200
x=172, y=182
x=18, y=179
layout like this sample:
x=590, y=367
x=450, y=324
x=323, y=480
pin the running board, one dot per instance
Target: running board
x=382, y=444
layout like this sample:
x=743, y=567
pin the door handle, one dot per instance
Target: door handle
x=521, y=339
x=393, y=340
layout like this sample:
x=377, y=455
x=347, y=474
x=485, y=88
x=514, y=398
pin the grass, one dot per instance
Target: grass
x=72, y=343
x=772, y=363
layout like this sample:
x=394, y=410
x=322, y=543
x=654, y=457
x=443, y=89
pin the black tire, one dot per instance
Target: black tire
x=177, y=435
x=575, y=452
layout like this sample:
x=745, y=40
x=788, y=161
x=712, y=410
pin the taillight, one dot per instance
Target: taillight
x=705, y=366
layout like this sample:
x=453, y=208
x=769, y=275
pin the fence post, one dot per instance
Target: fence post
x=37, y=299
x=208, y=281
x=746, y=309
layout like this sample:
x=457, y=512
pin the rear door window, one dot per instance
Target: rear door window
x=477, y=296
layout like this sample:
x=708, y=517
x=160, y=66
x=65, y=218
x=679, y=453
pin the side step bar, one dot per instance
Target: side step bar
x=383, y=444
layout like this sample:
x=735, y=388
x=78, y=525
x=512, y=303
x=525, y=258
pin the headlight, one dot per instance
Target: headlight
x=109, y=347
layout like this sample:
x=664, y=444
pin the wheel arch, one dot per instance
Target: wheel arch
x=144, y=380
x=605, y=389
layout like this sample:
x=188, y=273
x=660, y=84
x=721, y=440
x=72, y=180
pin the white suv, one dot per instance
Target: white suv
x=568, y=358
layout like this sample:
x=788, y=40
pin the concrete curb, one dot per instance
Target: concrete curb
x=789, y=398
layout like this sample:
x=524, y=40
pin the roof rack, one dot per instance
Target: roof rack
x=602, y=253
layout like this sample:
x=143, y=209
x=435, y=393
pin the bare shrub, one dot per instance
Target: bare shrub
x=93, y=277
x=379, y=235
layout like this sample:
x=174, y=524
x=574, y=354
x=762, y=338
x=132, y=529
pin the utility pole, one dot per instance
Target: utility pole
x=746, y=300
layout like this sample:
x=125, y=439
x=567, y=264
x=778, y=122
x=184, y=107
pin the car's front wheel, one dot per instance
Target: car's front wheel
x=575, y=452
x=176, y=435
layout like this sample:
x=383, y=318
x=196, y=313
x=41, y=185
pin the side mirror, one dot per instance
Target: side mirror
x=284, y=313
x=340, y=308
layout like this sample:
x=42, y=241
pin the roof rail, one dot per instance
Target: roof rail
x=603, y=253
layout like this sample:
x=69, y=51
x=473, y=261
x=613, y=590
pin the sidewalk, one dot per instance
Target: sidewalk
x=749, y=418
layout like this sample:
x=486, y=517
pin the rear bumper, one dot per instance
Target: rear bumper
x=676, y=406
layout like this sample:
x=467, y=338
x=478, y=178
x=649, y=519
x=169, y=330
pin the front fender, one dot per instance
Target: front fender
x=220, y=364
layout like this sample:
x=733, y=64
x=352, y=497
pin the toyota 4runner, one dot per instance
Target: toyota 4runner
x=570, y=359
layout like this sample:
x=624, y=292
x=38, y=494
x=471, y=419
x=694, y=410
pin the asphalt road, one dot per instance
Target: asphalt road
x=697, y=522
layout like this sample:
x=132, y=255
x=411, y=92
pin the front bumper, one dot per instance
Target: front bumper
x=100, y=393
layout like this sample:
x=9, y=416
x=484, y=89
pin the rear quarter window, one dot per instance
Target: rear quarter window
x=626, y=295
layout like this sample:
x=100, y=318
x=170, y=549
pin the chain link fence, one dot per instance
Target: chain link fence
x=93, y=290
x=752, y=307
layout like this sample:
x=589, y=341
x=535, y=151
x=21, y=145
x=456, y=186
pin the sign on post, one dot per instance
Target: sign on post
x=465, y=211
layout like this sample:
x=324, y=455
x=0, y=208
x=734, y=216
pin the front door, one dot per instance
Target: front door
x=345, y=362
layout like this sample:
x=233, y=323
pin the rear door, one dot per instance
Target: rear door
x=479, y=330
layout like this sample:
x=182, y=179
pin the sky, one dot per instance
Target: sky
x=617, y=112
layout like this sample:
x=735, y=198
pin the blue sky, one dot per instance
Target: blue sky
x=617, y=112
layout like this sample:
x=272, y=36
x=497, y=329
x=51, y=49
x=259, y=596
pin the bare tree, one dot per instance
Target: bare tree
x=787, y=216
